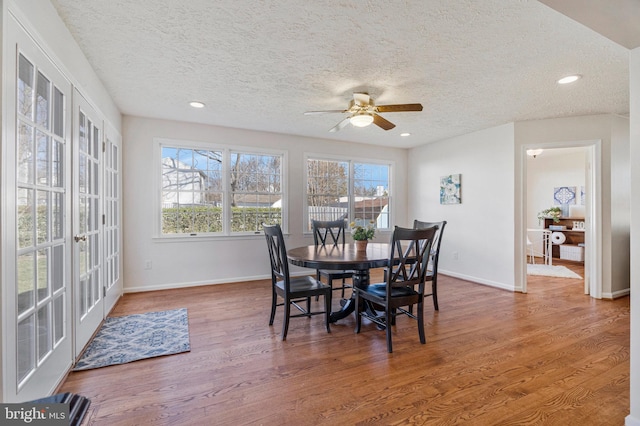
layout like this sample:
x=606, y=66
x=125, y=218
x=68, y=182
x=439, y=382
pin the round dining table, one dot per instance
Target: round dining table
x=343, y=257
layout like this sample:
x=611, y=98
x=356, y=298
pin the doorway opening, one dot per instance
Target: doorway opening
x=566, y=177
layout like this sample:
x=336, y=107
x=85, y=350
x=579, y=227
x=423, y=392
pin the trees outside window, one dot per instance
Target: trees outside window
x=219, y=191
x=353, y=190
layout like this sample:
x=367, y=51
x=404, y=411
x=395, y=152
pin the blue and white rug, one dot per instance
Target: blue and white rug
x=134, y=337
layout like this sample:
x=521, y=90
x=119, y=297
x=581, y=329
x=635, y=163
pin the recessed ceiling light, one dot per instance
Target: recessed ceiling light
x=196, y=104
x=569, y=79
x=405, y=134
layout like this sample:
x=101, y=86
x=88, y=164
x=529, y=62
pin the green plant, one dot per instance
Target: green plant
x=550, y=213
x=362, y=233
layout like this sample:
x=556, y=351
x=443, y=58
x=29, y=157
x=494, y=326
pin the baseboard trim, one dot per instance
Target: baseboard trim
x=477, y=280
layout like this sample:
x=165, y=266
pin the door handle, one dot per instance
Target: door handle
x=79, y=238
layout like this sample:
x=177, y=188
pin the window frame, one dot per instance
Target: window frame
x=227, y=150
x=351, y=160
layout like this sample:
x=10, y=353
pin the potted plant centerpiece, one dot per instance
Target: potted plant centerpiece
x=550, y=213
x=362, y=234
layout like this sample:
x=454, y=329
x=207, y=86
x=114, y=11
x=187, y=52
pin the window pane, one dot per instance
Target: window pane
x=371, y=188
x=328, y=195
x=191, y=191
x=327, y=190
x=42, y=159
x=256, y=194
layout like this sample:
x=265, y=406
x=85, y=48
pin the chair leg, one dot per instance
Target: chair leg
x=421, y=320
x=357, y=311
x=434, y=293
x=343, y=283
x=388, y=328
x=285, y=323
x=327, y=308
x=274, y=300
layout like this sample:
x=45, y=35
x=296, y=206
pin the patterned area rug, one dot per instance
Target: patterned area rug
x=134, y=337
x=551, y=271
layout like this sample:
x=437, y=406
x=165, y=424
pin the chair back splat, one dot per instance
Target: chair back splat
x=432, y=272
x=404, y=284
x=331, y=232
x=292, y=291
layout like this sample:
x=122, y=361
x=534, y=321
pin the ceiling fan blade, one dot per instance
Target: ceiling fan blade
x=329, y=111
x=361, y=99
x=382, y=122
x=399, y=108
x=340, y=125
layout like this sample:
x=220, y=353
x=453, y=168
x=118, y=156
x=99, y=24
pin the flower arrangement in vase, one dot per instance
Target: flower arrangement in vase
x=550, y=213
x=362, y=234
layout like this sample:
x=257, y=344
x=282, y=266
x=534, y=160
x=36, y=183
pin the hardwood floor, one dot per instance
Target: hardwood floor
x=552, y=356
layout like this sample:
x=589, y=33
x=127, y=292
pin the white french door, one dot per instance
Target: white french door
x=37, y=343
x=87, y=222
x=112, y=219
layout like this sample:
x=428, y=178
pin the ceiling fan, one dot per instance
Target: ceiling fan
x=363, y=111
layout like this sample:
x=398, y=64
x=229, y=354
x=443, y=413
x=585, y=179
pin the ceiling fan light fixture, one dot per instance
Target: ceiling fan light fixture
x=362, y=119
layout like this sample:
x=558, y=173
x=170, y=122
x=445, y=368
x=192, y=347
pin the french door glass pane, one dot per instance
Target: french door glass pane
x=43, y=161
x=42, y=101
x=42, y=217
x=25, y=87
x=26, y=282
x=57, y=267
x=58, y=319
x=44, y=331
x=26, y=153
x=57, y=165
x=42, y=273
x=26, y=228
x=58, y=112
x=57, y=217
x=26, y=346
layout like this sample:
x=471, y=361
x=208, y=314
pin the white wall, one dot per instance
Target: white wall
x=480, y=229
x=210, y=261
x=634, y=87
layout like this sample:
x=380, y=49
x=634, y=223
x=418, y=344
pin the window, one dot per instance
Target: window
x=219, y=191
x=357, y=191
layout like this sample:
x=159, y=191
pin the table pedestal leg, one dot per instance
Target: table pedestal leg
x=360, y=279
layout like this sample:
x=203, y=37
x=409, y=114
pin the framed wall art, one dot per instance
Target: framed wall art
x=450, y=189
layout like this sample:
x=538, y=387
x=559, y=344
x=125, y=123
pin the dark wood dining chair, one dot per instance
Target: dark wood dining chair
x=331, y=232
x=432, y=271
x=404, y=285
x=293, y=291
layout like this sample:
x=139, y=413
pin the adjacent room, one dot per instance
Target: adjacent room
x=321, y=213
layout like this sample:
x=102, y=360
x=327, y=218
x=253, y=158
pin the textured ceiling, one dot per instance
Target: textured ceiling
x=260, y=64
